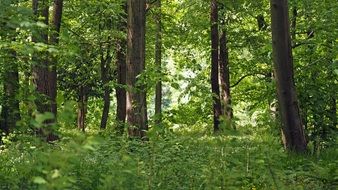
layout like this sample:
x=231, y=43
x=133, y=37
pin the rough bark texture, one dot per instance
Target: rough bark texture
x=121, y=71
x=136, y=92
x=214, y=64
x=225, y=77
x=158, y=61
x=293, y=132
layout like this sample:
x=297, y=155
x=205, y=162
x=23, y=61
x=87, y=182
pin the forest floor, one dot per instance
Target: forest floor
x=242, y=159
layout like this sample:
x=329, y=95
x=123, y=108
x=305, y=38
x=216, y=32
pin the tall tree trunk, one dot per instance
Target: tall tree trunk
x=158, y=61
x=136, y=94
x=121, y=72
x=41, y=65
x=82, y=108
x=121, y=95
x=54, y=39
x=44, y=70
x=105, y=72
x=225, y=77
x=293, y=132
x=10, y=113
x=214, y=64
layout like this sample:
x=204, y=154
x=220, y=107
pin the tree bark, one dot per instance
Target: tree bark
x=136, y=94
x=44, y=69
x=41, y=73
x=214, y=64
x=54, y=39
x=292, y=128
x=225, y=77
x=105, y=72
x=121, y=72
x=158, y=62
x=121, y=95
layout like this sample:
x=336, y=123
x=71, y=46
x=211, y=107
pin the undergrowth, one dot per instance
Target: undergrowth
x=173, y=160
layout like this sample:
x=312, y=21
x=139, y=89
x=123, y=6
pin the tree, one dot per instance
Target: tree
x=105, y=61
x=292, y=129
x=214, y=64
x=121, y=71
x=54, y=39
x=44, y=69
x=41, y=72
x=136, y=92
x=158, y=61
x=224, y=77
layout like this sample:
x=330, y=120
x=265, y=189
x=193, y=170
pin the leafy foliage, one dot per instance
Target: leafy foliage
x=251, y=160
x=181, y=152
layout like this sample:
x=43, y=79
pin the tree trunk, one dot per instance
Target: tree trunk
x=105, y=71
x=41, y=73
x=214, y=64
x=82, y=108
x=136, y=94
x=54, y=39
x=158, y=60
x=121, y=71
x=121, y=95
x=225, y=78
x=293, y=132
x=105, y=111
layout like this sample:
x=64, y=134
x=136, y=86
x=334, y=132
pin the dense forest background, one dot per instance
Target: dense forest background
x=168, y=94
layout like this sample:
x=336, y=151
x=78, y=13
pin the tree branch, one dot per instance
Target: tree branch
x=245, y=76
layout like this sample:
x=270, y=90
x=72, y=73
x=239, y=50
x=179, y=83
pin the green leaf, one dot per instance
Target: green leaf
x=336, y=71
x=175, y=85
x=40, y=118
x=56, y=174
x=39, y=180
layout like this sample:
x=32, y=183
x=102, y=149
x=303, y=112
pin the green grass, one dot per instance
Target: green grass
x=176, y=160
